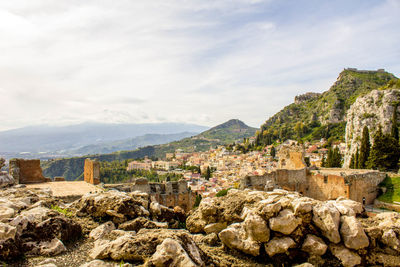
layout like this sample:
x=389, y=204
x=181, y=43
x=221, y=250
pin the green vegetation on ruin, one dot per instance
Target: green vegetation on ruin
x=392, y=194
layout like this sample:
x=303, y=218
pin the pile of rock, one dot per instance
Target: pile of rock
x=29, y=227
x=124, y=208
x=5, y=179
x=286, y=228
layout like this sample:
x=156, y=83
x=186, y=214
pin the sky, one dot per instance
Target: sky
x=203, y=62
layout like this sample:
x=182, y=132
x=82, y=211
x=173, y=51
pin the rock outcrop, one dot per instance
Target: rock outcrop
x=371, y=110
x=294, y=229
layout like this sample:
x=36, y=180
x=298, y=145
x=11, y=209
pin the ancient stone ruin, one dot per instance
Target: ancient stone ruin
x=170, y=194
x=324, y=184
x=291, y=157
x=92, y=171
x=27, y=171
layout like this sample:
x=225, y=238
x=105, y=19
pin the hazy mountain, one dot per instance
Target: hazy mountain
x=225, y=133
x=46, y=138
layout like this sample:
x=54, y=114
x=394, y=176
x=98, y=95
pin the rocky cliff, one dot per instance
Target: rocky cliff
x=371, y=110
x=313, y=116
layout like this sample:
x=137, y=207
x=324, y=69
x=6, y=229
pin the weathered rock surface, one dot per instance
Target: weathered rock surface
x=102, y=230
x=235, y=237
x=346, y=256
x=353, y=233
x=285, y=222
x=327, y=218
x=314, y=245
x=279, y=245
x=371, y=110
x=171, y=253
x=143, y=245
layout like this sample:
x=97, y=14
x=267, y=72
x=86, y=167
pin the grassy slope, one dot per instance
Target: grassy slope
x=392, y=194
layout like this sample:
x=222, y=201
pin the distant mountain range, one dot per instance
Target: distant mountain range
x=90, y=137
x=228, y=132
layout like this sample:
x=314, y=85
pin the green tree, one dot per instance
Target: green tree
x=364, y=149
x=351, y=165
x=385, y=152
x=207, y=176
x=334, y=159
x=272, y=152
x=356, y=159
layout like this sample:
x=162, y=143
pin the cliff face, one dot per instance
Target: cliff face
x=371, y=110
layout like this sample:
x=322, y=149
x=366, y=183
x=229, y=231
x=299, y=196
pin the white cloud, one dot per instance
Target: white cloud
x=196, y=61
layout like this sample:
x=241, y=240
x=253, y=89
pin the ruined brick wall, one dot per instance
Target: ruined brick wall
x=291, y=157
x=27, y=171
x=365, y=186
x=169, y=194
x=92, y=171
x=321, y=186
x=325, y=187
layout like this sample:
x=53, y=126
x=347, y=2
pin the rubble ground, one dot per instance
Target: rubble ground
x=243, y=228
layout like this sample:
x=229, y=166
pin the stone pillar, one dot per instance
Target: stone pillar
x=92, y=171
x=14, y=170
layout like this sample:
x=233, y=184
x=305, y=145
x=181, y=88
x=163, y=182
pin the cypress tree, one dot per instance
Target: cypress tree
x=364, y=150
x=356, y=159
x=385, y=152
x=351, y=165
x=273, y=152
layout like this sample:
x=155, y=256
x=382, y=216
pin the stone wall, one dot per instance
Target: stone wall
x=92, y=171
x=27, y=171
x=322, y=184
x=291, y=157
x=169, y=194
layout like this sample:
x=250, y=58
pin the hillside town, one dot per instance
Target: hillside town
x=228, y=167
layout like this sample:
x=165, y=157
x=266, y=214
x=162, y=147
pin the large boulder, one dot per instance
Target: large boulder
x=256, y=228
x=235, y=237
x=353, y=233
x=327, y=218
x=314, y=245
x=346, y=256
x=118, y=206
x=102, y=230
x=279, y=245
x=143, y=245
x=171, y=253
x=286, y=222
x=390, y=239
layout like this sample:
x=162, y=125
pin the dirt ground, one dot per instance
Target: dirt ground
x=62, y=189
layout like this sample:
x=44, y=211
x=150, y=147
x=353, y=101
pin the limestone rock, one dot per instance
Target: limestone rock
x=256, y=228
x=389, y=238
x=101, y=230
x=267, y=208
x=357, y=207
x=143, y=245
x=47, y=263
x=346, y=256
x=314, y=245
x=302, y=205
x=285, y=222
x=6, y=179
x=327, y=218
x=353, y=233
x=373, y=109
x=7, y=232
x=171, y=253
x=279, y=245
x=6, y=213
x=214, y=227
x=139, y=223
x=234, y=237
x=52, y=248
